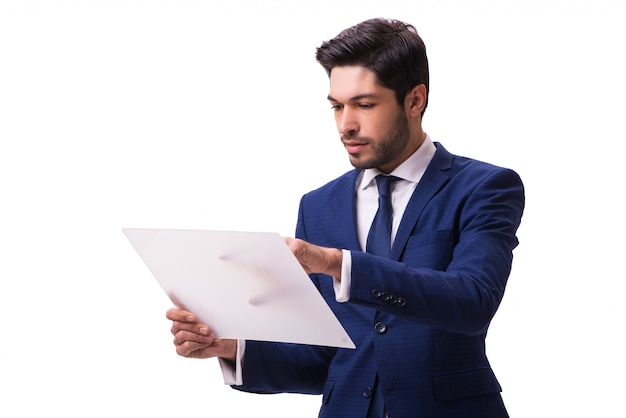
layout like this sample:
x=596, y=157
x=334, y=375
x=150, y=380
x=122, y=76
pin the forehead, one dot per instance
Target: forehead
x=349, y=82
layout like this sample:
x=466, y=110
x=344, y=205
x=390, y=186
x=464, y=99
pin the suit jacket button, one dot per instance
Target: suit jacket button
x=380, y=327
x=401, y=302
x=376, y=293
x=384, y=295
x=367, y=392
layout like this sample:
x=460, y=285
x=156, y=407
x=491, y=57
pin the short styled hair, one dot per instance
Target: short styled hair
x=391, y=49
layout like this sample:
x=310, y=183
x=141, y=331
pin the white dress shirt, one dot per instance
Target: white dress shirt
x=410, y=173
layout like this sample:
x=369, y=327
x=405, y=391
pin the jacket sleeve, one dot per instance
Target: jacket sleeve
x=453, y=275
x=285, y=368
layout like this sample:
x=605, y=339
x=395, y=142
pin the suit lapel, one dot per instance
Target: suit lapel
x=435, y=177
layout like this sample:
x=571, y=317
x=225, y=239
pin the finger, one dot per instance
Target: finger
x=185, y=337
x=191, y=349
x=176, y=314
x=192, y=327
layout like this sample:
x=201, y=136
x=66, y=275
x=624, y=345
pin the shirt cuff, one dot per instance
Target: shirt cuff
x=342, y=284
x=233, y=372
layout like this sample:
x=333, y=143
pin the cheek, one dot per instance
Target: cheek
x=376, y=126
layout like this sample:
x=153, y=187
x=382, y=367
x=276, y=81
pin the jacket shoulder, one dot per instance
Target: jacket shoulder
x=469, y=170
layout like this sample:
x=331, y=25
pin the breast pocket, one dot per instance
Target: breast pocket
x=432, y=249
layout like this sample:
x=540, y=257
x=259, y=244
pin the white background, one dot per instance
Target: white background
x=194, y=114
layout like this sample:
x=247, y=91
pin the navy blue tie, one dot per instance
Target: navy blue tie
x=379, y=243
x=379, y=237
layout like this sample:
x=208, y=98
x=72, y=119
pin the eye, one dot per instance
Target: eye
x=366, y=105
x=336, y=106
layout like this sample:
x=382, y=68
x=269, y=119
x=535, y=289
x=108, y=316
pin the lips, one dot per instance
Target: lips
x=354, y=147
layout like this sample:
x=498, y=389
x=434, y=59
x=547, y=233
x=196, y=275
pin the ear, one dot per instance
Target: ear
x=415, y=101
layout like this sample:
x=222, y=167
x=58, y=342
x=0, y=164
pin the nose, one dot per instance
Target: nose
x=347, y=123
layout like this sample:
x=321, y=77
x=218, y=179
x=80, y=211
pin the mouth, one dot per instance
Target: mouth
x=354, y=147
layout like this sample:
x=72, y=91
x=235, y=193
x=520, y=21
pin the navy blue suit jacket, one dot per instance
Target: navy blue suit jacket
x=419, y=320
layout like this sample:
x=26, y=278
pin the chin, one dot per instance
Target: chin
x=361, y=163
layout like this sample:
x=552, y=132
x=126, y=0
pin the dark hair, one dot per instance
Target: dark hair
x=389, y=48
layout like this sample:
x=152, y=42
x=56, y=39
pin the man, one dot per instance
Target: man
x=417, y=300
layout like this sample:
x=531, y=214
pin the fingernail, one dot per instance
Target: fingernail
x=204, y=330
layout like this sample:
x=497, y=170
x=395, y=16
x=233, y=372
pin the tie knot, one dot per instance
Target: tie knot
x=383, y=183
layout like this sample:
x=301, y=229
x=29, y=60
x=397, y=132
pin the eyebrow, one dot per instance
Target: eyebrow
x=356, y=98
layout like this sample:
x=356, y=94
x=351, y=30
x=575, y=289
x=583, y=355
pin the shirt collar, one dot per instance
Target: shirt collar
x=412, y=169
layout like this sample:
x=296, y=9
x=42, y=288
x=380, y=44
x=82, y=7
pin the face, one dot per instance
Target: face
x=372, y=125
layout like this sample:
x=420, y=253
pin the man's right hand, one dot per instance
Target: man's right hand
x=195, y=340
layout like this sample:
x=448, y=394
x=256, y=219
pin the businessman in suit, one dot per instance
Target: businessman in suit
x=416, y=298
